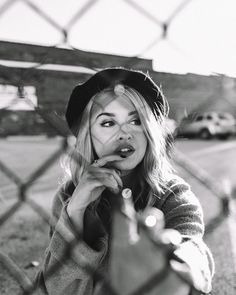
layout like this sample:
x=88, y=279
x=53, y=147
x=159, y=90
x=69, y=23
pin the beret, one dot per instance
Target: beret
x=110, y=77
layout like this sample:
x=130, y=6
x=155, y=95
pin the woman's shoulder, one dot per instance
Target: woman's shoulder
x=178, y=191
x=176, y=184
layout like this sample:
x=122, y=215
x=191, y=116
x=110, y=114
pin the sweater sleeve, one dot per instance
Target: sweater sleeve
x=68, y=259
x=183, y=213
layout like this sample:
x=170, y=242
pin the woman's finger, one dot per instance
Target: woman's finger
x=107, y=159
x=106, y=180
x=97, y=170
x=117, y=177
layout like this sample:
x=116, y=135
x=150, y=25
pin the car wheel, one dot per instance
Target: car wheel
x=224, y=136
x=205, y=134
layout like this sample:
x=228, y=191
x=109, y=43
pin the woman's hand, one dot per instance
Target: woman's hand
x=192, y=275
x=93, y=182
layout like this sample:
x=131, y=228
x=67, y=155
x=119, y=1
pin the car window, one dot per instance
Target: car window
x=225, y=116
x=221, y=116
x=199, y=118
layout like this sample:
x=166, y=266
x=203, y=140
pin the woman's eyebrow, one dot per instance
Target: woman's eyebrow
x=106, y=114
x=132, y=113
x=113, y=115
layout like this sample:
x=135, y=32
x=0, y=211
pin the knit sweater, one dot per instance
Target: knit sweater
x=67, y=271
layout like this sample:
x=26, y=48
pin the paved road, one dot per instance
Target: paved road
x=216, y=157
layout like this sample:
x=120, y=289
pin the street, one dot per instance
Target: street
x=215, y=156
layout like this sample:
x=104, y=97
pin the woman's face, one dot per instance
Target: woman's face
x=116, y=129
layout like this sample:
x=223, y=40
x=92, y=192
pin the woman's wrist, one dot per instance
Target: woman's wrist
x=76, y=216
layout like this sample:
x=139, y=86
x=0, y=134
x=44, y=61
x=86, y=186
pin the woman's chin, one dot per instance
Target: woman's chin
x=125, y=167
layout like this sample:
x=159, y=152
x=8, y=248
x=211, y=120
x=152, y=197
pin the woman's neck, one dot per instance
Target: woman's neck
x=129, y=179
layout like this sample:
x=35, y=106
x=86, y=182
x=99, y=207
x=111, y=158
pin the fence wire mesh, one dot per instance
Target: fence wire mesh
x=10, y=177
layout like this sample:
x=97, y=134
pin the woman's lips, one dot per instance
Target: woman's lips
x=125, y=152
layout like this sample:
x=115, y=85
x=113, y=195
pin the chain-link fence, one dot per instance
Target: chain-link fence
x=21, y=79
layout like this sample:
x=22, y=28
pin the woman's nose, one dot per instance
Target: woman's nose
x=124, y=133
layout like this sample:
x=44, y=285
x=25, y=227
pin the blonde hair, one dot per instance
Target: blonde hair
x=155, y=170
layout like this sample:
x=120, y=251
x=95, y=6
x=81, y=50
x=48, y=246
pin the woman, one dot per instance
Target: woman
x=118, y=117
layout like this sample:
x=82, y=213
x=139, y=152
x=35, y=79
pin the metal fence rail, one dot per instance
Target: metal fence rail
x=23, y=185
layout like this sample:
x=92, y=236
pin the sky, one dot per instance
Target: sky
x=201, y=37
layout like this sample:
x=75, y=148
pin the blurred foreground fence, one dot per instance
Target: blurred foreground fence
x=220, y=192
x=24, y=185
x=20, y=78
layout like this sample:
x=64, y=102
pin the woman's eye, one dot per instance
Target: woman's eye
x=136, y=122
x=107, y=124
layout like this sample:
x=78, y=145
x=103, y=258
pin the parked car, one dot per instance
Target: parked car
x=208, y=125
x=227, y=123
